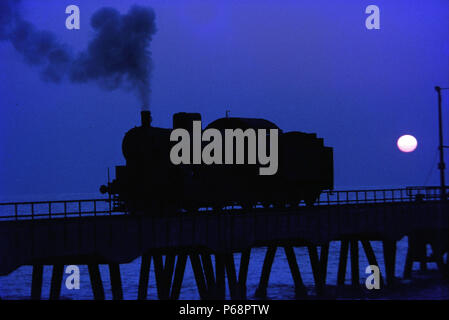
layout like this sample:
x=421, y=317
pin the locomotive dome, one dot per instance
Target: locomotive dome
x=134, y=140
x=139, y=142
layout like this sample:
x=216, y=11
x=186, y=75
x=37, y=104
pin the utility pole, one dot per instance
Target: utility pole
x=441, y=164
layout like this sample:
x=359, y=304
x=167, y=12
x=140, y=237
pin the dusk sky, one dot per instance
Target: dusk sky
x=306, y=65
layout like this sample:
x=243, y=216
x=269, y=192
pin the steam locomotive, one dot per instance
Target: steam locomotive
x=150, y=183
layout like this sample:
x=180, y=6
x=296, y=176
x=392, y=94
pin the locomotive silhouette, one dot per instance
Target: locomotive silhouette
x=150, y=184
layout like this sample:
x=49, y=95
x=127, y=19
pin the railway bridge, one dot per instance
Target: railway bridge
x=93, y=232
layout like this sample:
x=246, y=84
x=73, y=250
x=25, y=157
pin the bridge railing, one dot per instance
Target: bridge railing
x=55, y=209
x=407, y=194
x=96, y=207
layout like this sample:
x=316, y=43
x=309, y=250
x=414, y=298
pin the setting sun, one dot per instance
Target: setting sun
x=407, y=143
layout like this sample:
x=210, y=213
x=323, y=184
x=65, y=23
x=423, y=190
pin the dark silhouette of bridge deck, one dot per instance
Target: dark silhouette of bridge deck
x=90, y=232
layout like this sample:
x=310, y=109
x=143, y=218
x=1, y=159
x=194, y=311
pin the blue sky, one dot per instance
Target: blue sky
x=306, y=65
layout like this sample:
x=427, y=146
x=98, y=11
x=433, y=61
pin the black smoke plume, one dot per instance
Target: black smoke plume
x=118, y=55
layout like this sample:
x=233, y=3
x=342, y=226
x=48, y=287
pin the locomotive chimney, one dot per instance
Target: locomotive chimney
x=145, y=117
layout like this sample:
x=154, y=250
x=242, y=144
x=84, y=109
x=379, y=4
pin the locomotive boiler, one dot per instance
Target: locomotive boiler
x=149, y=183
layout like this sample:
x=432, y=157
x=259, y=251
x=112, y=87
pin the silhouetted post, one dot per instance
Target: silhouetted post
x=36, y=282
x=95, y=281
x=324, y=257
x=441, y=165
x=231, y=275
x=371, y=257
x=300, y=289
x=159, y=275
x=237, y=284
x=344, y=248
x=116, y=281
x=179, y=276
x=208, y=269
x=56, y=281
x=199, y=275
x=220, y=283
x=261, y=291
x=389, y=249
x=355, y=272
x=144, y=277
x=243, y=272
